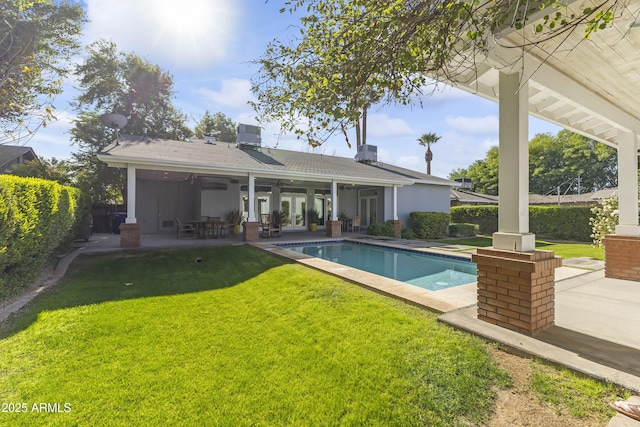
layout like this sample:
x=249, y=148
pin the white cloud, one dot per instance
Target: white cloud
x=187, y=33
x=383, y=126
x=233, y=93
x=473, y=125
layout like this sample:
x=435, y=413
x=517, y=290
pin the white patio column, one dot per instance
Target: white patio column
x=513, y=177
x=628, y=185
x=252, y=196
x=334, y=200
x=394, y=202
x=131, y=195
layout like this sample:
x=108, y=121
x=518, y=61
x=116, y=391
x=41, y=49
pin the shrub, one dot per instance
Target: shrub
x=36, y=217
x=463, y=230
x=604, y=219
x=554, y=222
x=382, y=229
x=407, y=234
x=561, y=222
x=486, y=217
x=429, y=225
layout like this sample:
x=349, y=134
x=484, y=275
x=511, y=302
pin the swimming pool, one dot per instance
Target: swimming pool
x=428, y=271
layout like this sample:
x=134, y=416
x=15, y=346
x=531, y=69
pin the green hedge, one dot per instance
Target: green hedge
x=551, y=222
x=36, y=218
x=486, y=217
x=463, y=230
x=429, y=225
x=561, y=222
x=382, y=229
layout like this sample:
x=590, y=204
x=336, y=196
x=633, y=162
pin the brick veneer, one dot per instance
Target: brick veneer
x=129, y=235
x=622, y=257
x=334, y=228
x=397, y=228
x=516, y=289
x=251, y=231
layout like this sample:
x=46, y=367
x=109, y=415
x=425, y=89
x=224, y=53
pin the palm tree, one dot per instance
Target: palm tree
x=426, y=140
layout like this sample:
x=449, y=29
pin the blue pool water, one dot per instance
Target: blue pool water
x=427, y=271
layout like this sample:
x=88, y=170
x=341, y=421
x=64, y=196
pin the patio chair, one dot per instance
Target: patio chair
x=265, y=221
x=274, y=228
x=187, y=229
x=355, y=223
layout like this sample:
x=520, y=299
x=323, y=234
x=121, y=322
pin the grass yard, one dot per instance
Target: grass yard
x=564, y=250
x=240, y=338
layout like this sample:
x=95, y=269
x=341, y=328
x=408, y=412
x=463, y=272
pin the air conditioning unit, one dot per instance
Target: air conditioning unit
x=465, y=183
x=367, y=153
x=248, y=136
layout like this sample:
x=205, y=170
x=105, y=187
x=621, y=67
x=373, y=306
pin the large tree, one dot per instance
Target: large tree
x=37, y=39
x=114, y=82
x=567, y=160
x=217, y=125
x=352, y=53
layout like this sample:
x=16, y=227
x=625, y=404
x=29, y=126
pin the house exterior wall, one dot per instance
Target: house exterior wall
x=417, y=198
x=219, y=202
x=159, y=202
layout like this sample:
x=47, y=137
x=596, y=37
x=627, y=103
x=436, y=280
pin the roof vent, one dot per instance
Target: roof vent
x=367, y=153
x=248, y=136
x=465, y=183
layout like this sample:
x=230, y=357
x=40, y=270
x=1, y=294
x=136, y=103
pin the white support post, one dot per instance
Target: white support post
x=395, y=202
x=131, y=195
x=252, y=198
x=628, y=186
x=513, y=176
x=334, y=200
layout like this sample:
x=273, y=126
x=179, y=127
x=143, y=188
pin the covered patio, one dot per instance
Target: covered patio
x=169, y=179
x=587, y=86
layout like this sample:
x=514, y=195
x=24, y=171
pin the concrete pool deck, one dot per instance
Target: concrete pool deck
x=597, y=319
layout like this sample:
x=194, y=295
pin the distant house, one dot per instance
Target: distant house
x=460, y=197
x=14, y=155
x=190, y=179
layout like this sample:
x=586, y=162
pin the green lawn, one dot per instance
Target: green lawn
x=564, y=250
x=240, y=338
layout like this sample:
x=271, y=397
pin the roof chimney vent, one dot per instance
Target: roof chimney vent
x=248, y=136
x=367, y=153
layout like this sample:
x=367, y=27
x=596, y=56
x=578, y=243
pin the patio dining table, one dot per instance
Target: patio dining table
x=210, y=228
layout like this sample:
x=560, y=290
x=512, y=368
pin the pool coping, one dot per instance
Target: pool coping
x=440, y=301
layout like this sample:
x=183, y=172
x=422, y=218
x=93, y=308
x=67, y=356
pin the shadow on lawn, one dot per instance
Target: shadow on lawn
x=94, y=279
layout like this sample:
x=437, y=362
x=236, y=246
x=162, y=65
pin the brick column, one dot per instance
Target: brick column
x=129, y=235
x=516, y=289
x=251, y=231
x=397, y=228
x=622, y=257
x=334, y=228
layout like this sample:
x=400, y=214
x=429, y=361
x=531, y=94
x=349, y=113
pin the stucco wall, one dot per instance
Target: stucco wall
x=219, y=202
x=417, y=198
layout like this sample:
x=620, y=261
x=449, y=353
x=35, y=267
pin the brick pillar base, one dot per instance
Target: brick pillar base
x=129, y=235
x=622, y=257
x=251, y=231
x=334, y=228
x=397, y=228
x=516, y=289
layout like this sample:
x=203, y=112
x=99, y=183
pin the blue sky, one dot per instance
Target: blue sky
x=207, y=46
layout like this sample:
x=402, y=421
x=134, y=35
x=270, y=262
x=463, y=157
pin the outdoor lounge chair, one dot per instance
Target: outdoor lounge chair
x=187, y=229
